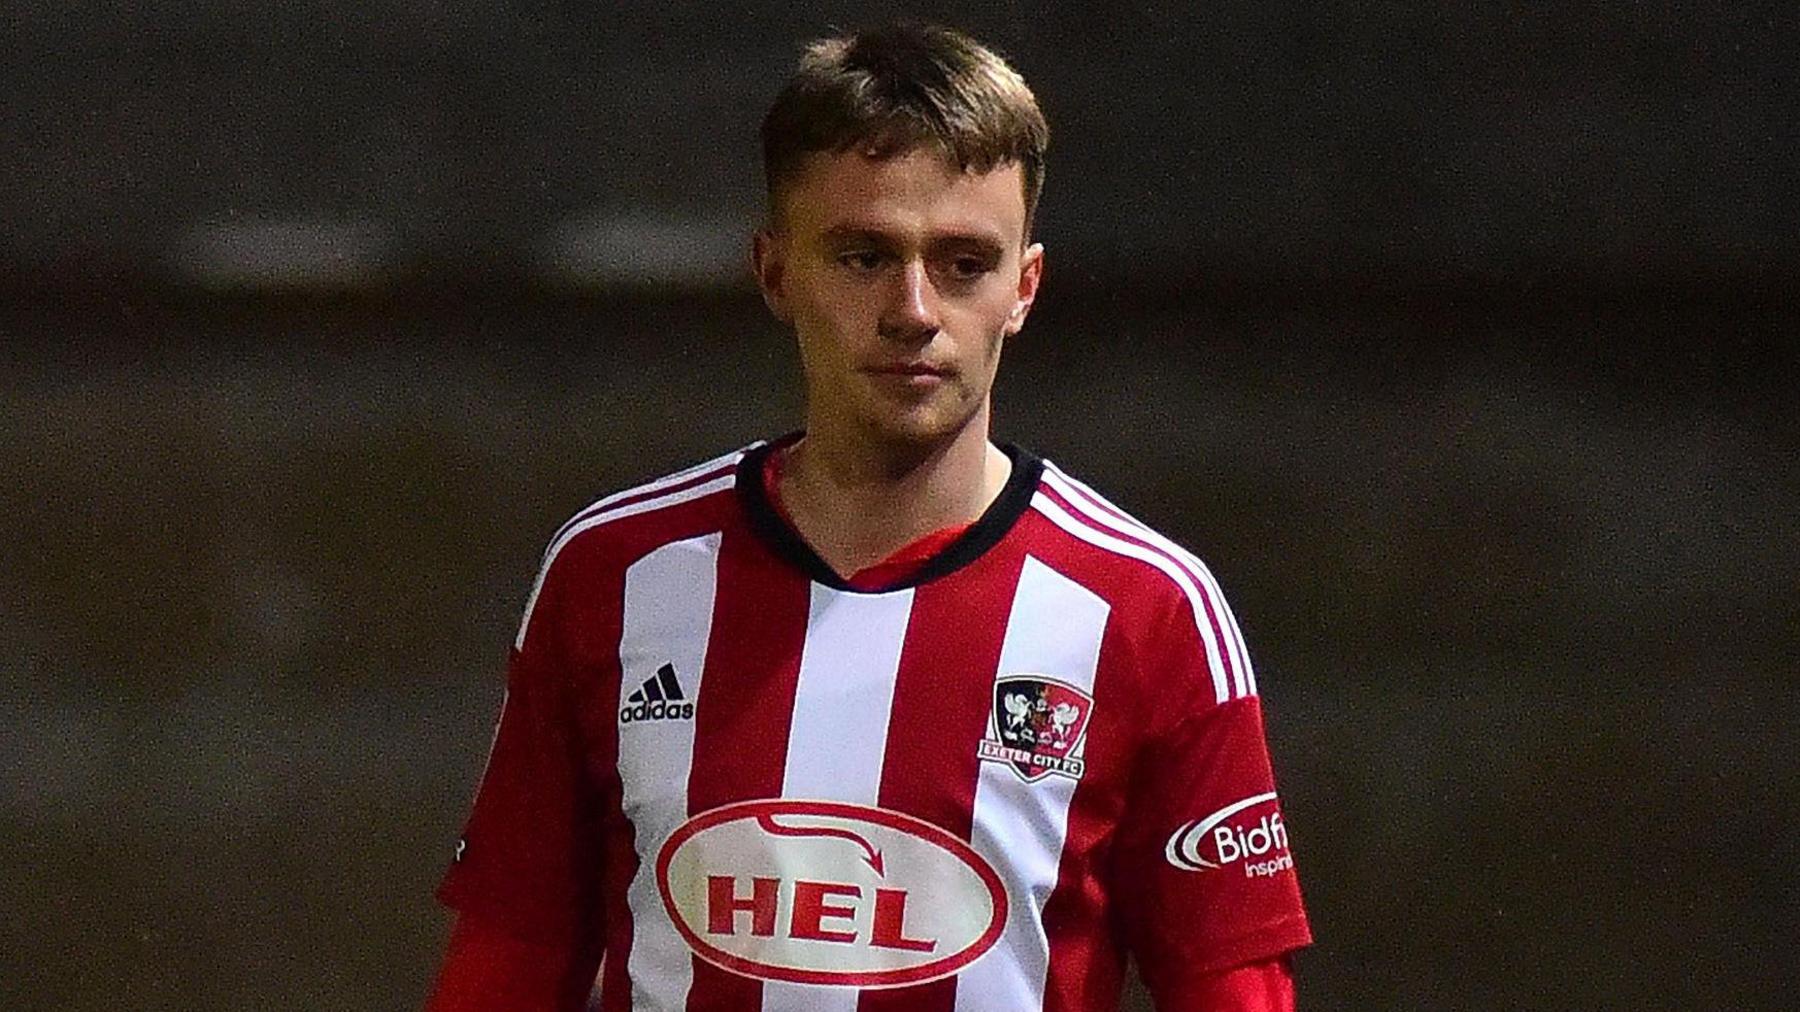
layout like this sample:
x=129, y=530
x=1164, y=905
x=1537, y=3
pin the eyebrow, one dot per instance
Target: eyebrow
x=839, y=235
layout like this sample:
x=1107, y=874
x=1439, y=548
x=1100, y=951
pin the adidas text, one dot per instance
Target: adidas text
x=659, y=710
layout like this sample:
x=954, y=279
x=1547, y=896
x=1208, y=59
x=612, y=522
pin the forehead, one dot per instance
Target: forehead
x=917, y=192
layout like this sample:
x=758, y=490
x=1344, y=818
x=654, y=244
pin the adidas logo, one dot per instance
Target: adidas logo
x=659, y=698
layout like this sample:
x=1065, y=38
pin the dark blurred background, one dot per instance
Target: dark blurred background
x=1459, y=339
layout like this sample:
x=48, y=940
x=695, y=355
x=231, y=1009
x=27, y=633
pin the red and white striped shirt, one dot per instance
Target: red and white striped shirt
x=760, y=787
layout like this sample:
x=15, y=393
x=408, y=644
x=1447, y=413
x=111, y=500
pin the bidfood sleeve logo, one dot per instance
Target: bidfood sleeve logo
x=1248, y=831
x=819, y=892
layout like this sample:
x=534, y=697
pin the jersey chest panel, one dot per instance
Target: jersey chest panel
x=925, y=744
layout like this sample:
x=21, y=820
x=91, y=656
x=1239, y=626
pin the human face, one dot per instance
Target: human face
x=902, y=277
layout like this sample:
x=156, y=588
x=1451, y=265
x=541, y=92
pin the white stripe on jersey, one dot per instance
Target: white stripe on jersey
x=668, y=613
x=847, y=672
x=1054, y=630
x=1096, y=507
x=569, y=534
x=658, y=484
x=1048, y=506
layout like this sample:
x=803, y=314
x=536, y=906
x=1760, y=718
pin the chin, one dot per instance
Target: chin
x=921, y=427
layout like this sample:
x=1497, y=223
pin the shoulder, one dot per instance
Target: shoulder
x=657, y=500
x=1165, y=597
x=605, y=535
x=1145, y=568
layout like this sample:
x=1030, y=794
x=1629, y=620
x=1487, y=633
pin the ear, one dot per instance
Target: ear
x=1031, y=272
x=768, y=256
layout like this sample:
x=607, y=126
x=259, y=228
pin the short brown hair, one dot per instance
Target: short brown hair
x=889, y=90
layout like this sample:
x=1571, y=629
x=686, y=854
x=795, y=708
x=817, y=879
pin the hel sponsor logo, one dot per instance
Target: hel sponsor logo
x=821, y=892
x=1229, y=835
x=1038, y=726
x=659, y=698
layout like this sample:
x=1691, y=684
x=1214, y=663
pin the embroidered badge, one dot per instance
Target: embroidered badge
x=1038, y=726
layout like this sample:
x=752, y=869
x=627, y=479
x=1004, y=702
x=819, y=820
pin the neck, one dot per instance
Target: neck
x=858, y=500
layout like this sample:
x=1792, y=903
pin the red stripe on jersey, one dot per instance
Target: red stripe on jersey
x=943, y=693
x=1082, y=508
x=759, y=626
x=1086, y=970
x=620, y=852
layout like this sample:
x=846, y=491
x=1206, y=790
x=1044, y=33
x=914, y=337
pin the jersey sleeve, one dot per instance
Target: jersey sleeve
x=1203, y=866
x=529, y=857
x=487, y=968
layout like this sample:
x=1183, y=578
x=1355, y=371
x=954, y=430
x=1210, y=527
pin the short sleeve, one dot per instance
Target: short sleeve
x=1203, y=866
x=529, y=856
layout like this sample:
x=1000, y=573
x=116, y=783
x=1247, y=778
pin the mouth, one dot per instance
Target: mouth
x=909, y=370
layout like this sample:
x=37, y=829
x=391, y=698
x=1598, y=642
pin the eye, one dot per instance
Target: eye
x=964, y=269
x=861, y=260
x=970, y=267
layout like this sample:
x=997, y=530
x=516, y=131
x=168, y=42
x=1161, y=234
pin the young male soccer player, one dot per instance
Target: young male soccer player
x=878, y=716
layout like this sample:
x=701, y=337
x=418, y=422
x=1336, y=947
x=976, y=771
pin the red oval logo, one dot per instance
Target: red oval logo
x=823, y=892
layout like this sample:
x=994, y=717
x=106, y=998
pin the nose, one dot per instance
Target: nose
x=911, y=313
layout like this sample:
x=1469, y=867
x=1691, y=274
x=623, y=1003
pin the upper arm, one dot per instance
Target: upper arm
x=529, y=859
x=487, y=969
x=1202, y=866
x=1266, y=985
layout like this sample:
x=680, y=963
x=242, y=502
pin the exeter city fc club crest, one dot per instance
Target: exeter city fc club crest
x=1037, y=727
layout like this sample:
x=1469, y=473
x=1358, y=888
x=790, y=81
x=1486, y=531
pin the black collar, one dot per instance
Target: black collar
x=982, y=535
